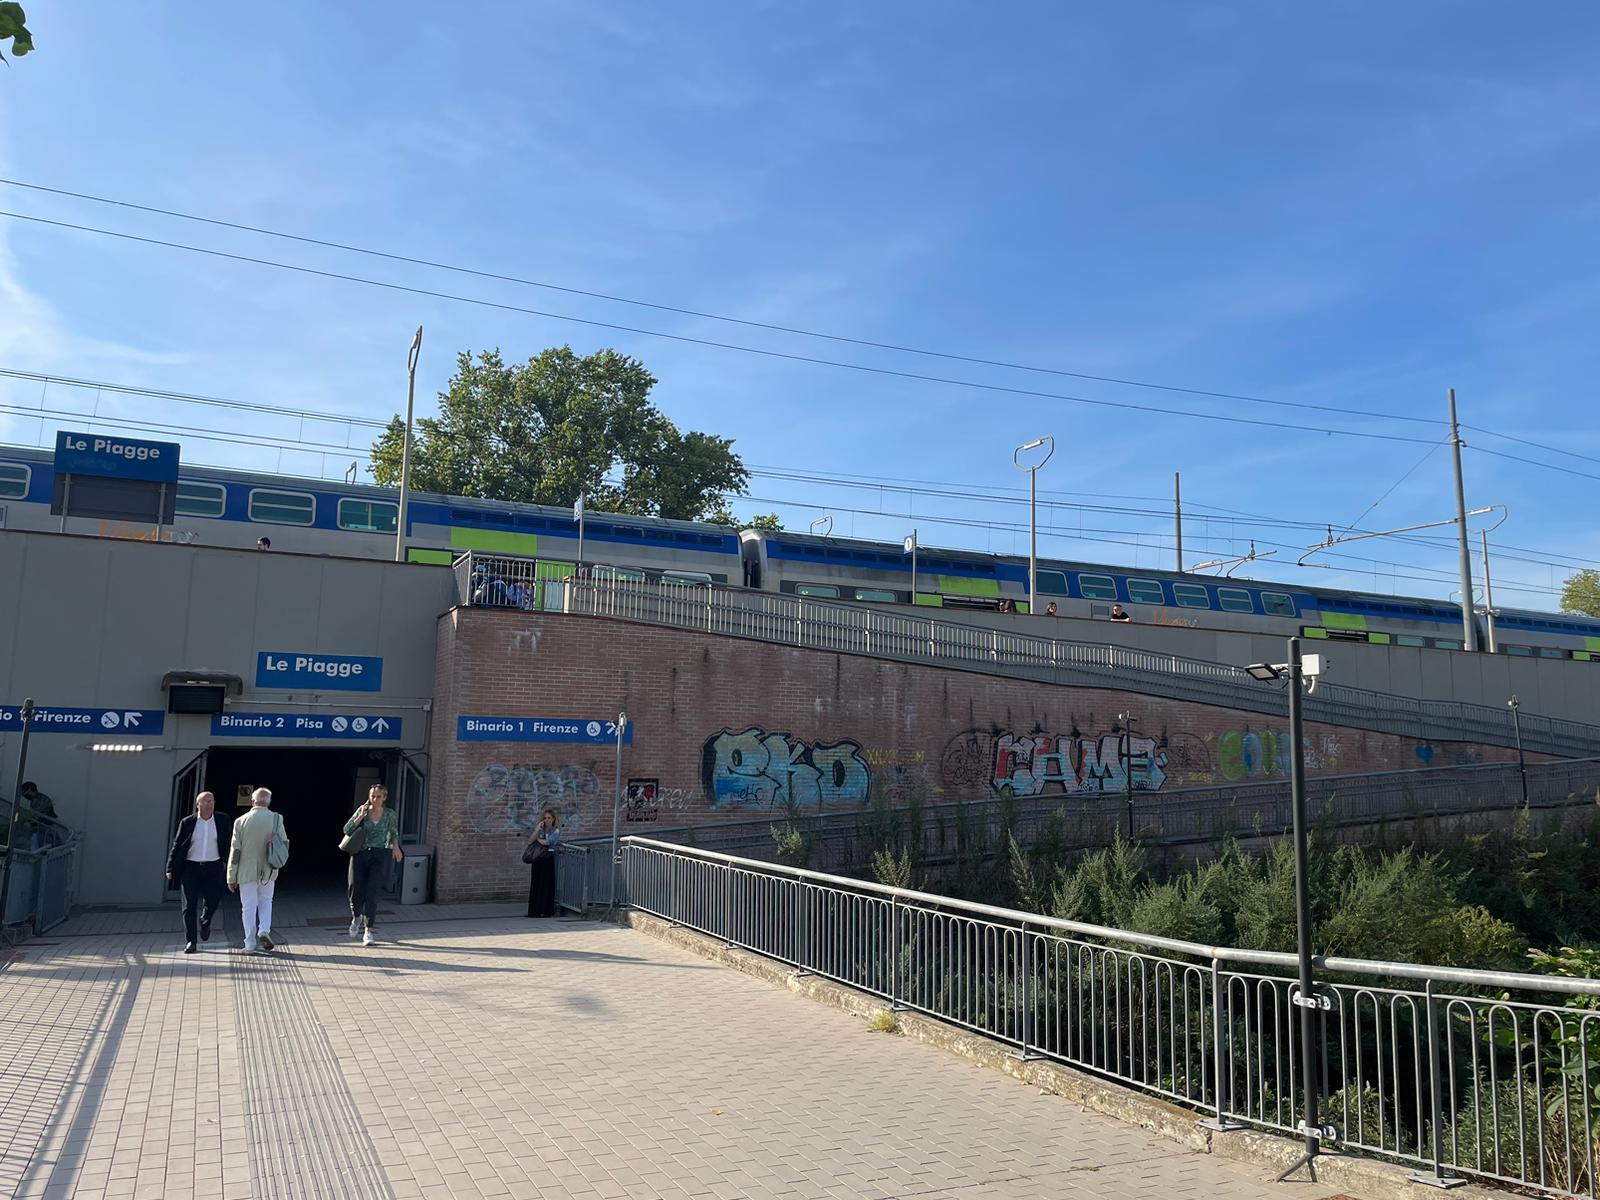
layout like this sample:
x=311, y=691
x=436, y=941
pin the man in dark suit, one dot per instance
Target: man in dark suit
x=198, y=862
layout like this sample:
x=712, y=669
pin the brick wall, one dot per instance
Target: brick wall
x=728, y=730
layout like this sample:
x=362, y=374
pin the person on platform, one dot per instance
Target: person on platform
x=380, y=844
x=250, y=873
x=541, y=856
x=197, y=863
x=1118, y=613
x=1050, y=609
x=263, y=543
x=37, y=821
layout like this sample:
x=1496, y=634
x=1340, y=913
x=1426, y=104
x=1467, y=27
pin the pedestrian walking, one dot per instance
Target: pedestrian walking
x=541, y=856
x=372, y=836
x=258, y=850
x=197, y=863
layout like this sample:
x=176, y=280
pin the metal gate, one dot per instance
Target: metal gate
x=186, y=785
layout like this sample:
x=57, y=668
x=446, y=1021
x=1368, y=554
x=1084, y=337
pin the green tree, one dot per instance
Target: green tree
x=14, y=29
x=554, y=428
x=723, y=515
x=1581, y=593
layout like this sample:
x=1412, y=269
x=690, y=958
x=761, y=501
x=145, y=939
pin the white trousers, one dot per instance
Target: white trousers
x=256, y=900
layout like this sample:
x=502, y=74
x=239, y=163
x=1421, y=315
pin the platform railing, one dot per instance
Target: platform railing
x=1456, y=1072
x=832, y=626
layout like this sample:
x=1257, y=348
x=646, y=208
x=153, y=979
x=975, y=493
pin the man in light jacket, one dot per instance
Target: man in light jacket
x=248, y=871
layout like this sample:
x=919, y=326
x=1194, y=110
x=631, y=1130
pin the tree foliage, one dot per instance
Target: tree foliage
x=554, y=428
x=1581, y=593
x=14, y=29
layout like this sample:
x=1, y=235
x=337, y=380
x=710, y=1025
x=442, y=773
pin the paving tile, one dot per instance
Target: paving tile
x=477, y=1054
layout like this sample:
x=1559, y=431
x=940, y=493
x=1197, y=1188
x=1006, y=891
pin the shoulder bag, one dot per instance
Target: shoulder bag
x=354, y=843
x=278, y=846
x=536, y=851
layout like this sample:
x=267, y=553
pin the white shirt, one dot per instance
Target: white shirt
x=203, y=845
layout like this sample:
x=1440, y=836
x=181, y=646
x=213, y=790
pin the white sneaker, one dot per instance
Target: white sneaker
x=249, y=947
x=355, y=928
x=367, y=939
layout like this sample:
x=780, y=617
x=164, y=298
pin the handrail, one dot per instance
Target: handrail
x=1273, y=958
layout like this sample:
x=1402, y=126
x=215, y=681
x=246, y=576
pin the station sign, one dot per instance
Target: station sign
x=333, y=726
x=300, y=671
x=576, y=730
x=135, y=722
x=115, y=457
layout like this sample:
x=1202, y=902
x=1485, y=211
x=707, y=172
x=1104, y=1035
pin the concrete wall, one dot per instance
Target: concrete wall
x=96, y=622
x=729, y=729
x=1561, y=688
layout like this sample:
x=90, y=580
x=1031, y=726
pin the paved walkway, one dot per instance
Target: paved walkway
x=481, y=1054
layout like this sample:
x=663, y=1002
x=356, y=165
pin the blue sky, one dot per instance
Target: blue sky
x=1351, y=205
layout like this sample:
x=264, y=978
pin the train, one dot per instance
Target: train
x=228, y=507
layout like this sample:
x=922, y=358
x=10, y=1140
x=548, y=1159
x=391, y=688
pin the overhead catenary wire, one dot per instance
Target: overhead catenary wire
x=787, y=356
x=844, y=339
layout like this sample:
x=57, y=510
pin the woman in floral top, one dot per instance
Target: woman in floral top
x=367, y=864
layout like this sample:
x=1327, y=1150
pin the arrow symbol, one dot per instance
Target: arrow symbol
x=380, y=725
x=130, y=720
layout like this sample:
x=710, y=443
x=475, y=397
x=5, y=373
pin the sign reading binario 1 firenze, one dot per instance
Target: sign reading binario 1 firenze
x=300, y=671
x=576, y=730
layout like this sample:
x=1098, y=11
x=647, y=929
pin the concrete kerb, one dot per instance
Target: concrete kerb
x=1370, y=1178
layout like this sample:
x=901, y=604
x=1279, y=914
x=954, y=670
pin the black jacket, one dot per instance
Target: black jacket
x=178, y=859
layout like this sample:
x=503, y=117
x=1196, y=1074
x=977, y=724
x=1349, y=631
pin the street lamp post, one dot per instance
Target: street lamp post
x=1033, y=512
x=1128, y=720
x=405, y=453
x=1297, y=670
x=1522, y=764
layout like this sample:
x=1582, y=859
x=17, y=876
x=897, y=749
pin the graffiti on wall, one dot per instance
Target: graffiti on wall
x=1074, y=763
x=756, y=768
x=504, y=799
x=1071, y=764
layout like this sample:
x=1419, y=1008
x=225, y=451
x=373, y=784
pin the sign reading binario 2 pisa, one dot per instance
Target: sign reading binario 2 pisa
x=301, y=671
x=579, y=730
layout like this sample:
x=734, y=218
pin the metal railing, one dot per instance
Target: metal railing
x=43, y=881
x=854, y=629
x=932, y=833
x=574, y=886
x=1457, y=1072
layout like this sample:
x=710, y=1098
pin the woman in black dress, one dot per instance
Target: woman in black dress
x=541, y=855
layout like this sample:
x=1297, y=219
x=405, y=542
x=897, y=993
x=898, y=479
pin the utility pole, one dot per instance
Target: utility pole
x=1469, y=632
x=1177, y=516
x=405, y=455
x=1128, y=720
x=1033, y=513
x=1310, y=1069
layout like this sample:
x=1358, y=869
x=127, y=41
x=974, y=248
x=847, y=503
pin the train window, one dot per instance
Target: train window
x=1549, y=652
x=1097, y=587
x=695, y=578
x=1409, y=639
x=200, y=499
x=618, y=574
x=1234, y=600
x=1190, y=595
x=1053, y=583
x=1520, y=651
x=368, y=516
x=876, y=596
x=819, y=590
x=282, y=508
x=1145, y=591
x=1277, y=604
x=14, y=481
x=1445, y=644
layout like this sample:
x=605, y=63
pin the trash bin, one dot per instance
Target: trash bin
x=416, y=874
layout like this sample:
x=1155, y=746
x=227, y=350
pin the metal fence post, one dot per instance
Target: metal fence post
x=1027, y=996
x=1438, y=1178
x=1220, y=1062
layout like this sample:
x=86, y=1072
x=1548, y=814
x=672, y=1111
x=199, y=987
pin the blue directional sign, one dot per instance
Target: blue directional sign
x=126, y=722
x=120, y=457
x=580, y=730
x=340, y=726
x=299, y=671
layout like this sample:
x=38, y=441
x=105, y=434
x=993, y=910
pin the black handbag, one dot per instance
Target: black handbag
x=536, y=851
